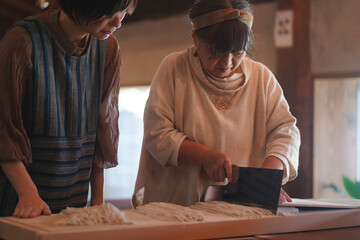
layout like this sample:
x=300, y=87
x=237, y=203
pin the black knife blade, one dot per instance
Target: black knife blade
x=257, y=187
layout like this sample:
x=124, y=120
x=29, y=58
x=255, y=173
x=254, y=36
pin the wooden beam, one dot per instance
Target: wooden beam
x=156, y=9
x=11, y=16
x=294, y=75
x=335, y=75
x=260, y=1
x=28, y=7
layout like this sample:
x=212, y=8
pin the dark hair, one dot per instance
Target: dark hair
x=88, y=10
x=231, y=36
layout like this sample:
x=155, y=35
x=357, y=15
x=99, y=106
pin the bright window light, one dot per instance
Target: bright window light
x=120, y=181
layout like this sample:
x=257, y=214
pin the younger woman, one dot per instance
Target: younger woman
x=59, y=84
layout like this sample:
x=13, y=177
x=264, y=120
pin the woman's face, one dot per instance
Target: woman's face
x=221, y=66
x=103, y=27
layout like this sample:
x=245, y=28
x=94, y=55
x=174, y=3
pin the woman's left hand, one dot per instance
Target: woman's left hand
x=284, y=197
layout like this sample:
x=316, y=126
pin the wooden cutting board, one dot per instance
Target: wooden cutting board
x=213, y=226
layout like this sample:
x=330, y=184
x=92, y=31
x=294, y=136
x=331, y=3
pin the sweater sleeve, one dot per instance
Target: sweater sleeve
x=107, y=137
x=15, y=73
x=283, y=136
x=161, y=138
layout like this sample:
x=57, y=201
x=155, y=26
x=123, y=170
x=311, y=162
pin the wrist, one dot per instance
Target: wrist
x=192, y=152
x=96, y=201
x=27, y=191
x=205, y=154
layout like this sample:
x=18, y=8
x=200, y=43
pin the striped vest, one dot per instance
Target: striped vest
x=60, y=115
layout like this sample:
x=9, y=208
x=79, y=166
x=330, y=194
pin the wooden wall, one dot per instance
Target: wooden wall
x=326, y=46
x=334, y=37
x=294, y=75
x=335, y=55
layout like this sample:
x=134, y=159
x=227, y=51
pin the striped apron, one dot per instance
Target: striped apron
x=60, y=115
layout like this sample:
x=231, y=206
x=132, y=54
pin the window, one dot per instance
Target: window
x=120, y=181
x=336, y=135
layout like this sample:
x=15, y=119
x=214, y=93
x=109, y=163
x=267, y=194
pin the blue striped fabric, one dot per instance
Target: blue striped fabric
x=60, y=113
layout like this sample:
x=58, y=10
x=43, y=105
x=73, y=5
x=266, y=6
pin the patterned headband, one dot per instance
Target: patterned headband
x=221, y=15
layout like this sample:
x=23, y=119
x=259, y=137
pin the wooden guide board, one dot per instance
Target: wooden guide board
x=213, y=226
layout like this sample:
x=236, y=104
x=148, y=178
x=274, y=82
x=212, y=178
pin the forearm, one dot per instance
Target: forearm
x=19, y=178
x=215, y=164
x=97, y=185
x=192, y=152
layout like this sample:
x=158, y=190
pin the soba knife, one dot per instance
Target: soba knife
x=257, y=187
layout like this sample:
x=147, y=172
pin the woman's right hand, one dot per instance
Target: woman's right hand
x=31, y=205
x=216, y=165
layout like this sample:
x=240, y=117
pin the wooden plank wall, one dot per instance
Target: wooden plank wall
x=294, y=75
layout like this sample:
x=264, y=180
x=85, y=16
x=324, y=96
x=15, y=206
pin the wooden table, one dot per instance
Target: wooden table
x=325, y=224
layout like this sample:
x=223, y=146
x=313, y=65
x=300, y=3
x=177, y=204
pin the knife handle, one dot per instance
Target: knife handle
x=235, y=173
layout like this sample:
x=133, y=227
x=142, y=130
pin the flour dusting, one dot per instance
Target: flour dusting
x=101, y=214
x=170, y=212
x=233, y=210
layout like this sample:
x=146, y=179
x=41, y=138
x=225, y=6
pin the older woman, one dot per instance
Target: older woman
x=211, y=106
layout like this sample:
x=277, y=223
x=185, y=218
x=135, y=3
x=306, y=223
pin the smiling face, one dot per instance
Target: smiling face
x=103, y=27
x=221, y=66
